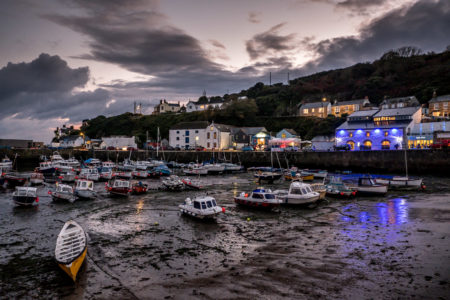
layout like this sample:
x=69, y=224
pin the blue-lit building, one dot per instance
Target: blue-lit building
x=378, y=129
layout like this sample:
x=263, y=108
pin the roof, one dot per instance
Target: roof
x=405, y=111
x=253, y=130
x=223, y=127
x=364, y=113
x=216, y=100
x=323, y=138
x=442, y=98
x=400, y=99
x=430, y=127
x=174, y=104
x=291, y=131
x=71, y=138
x=371, y=125
x=191, y=125
x=315, y=104
x=351, y=102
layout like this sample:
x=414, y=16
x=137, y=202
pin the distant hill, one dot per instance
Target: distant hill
x=400, y=72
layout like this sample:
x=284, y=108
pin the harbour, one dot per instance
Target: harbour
x=142, y=245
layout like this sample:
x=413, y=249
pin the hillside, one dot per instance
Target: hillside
x=402, y=72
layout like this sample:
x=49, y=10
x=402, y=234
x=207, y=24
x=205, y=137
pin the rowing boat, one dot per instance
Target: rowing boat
x=71, y=248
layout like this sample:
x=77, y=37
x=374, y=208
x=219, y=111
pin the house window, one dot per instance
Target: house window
x=367, y=134
x=356, y=107
x=211, y=128
x=436, y=106
x=305, y=111
x=178, y=138
x=178, y=131
x=187, y=133
x=350, y=134
x=336, y=109
x=283, y=135
x=312, y=109
x=186, y=140
x=320, y=109
x=215, y=135
x=215, y=145
x=208, y=135
x=386, y=133
x=207, y=145
x=196, y=131
x=400, y=105
x=445, y=105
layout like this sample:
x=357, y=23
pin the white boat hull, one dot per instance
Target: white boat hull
x=299, y=200
x=401, y=182
x=372, y=190
x=86, y=194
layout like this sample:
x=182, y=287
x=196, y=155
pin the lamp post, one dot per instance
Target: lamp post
x=84, y=139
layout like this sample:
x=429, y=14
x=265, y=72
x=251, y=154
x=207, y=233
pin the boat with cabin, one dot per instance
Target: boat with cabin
x=299, y=193
x=85, y=189
x=71, y=248
x=6, y=164
x=25, y=196
x=368, y=187
x=260, y=197
x=139, y=188
x=63, y=192
x=119, y=187
x=337, y=188
x=89, y=174
x=36, y=178
x=202, y=207
x=173, y=183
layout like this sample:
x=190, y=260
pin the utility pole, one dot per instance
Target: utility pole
x=288, y=79
x=270, y=78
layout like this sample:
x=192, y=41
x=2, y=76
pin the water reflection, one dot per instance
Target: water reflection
x=395, y=211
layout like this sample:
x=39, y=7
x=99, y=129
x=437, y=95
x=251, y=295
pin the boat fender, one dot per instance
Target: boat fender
x=37, y=199
x=223, y=209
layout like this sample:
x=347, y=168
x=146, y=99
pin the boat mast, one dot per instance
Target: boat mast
x=146, y=145
x=406, y=163
x=157, y=143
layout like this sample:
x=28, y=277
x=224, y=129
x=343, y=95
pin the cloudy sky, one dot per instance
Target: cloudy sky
x=68, y=60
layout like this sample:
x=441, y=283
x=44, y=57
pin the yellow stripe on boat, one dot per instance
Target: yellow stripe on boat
x=73, y=268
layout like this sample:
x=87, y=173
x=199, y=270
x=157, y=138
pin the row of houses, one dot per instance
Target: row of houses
x=438, y=106
x=81, y=141
x=204, y=103
x=219, y=136
x=390, y=128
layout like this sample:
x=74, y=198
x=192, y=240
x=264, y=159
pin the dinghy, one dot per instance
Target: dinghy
x=25, y=196
x=71, y=248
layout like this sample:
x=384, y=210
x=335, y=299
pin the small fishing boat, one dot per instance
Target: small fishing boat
x=163, y=170
x=194, y=184
x=108, y=164
x=319, y=188
x=6, y=164
x=73, y=162
x=292, y=175
x=232, y=168
x=89, y=174
x=214, y=168
x=299, y=193
x=47, y=168
x=63, y=192
x=62, y=166
x=15, y=179
x=36, y=178
x=85, y=189
x=67, y=176
x=106, y=173
x=119, y=187
x=318, y=174
x=204, y=207
x=128, y=165
x=260, y=197
x=56, y=157
x=195, y=170
x=25, y=196
x=71, y=248
x=173, y=183
x=337, y=188
x=138, y=188
x=398, y=182
x=368, y=187
x=268, y=174
x=123, y=174
x=140, y=173
x=93, y=163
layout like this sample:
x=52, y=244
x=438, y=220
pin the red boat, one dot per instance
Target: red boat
x=119, y=187
x=138, y=188
x=192, y=184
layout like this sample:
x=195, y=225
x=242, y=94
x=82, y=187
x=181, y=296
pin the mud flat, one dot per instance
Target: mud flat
x=142, y=248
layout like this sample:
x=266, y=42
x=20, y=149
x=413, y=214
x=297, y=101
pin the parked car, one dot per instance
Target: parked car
x=247, y=148
x=200, y=148
x=345, y=147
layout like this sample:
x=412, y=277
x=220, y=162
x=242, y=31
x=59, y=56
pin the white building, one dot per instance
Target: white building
x=118, y=142
x=72, y=141
x=203, y=104
x=218, y=136
x=200, y=133
x=188, y=134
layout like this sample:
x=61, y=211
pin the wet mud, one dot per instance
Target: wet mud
x=141, y=247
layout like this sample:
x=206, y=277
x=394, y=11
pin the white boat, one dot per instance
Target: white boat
x=398, y=182
x=85, y=189
x=62, y=166
x=37, y=178
x=128, y=165
x=140, y=173
x=267, y=175
x=93, y=162
x=63, y=192
x=56, y=157
x=119, y=187
x=89, y=174
x=67, y=176
x=194, y=184
x=123, y=174
x=47, y=168
x=260, y=197
x=214, y=168
x=106, y=173
x=108, y=164
x=73, y=162
x=367, y=186
x=71, y=248
x=230, y=167
x=25, y=196
x=173, y=183
x=197, y=170
x=298, y=193
x=143, y=165
x=6, y=164
x=201, y=207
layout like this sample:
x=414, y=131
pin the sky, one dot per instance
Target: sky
x=62, y=61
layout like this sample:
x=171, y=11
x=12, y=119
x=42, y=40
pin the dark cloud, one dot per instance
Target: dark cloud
x=254, y=17
x=44, y=89
x=270, y=41
x=44, y=74
x=425, y=24
x=217, y=44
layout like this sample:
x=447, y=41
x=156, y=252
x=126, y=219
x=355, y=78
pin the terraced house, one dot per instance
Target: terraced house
x=439, y=106
x=315, y=109
x=348, y=107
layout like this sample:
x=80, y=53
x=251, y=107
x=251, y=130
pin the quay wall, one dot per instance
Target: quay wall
x=431, y=162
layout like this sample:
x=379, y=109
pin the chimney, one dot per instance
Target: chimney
x=434, y=94
x=160, y=101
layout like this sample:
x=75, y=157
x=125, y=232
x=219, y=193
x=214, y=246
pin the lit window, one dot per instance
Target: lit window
x=305, y=111
x=208, y=135
x=350, y=134
x=215, y=145
x=436, y=106
x=211, y=128
x=367, y=134
x=215, y=135
x=312, y=110
x=386, y=133
x=283, y=135
x=337, y=109
x=321, y=109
